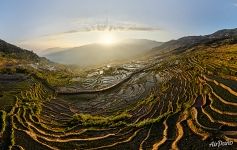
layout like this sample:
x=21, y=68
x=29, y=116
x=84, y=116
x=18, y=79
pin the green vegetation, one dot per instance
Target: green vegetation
x=148, y=122
x=3, y=115
x=99, y=121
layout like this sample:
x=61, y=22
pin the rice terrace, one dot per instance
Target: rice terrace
x=178, y=95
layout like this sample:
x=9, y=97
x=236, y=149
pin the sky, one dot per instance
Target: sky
x=42, y=24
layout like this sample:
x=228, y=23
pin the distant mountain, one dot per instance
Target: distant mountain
x=226, y=36
x=12, y=51
x=225, y=33
x=51, y=50
x=95, y=54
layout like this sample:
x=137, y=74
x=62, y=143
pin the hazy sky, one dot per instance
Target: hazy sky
x=41, y=24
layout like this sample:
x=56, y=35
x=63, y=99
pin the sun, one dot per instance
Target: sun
x=107, y=39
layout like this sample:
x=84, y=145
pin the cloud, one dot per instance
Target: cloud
x=144, y=29
x=91, y=26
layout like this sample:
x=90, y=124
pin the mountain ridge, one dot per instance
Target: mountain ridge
x=220, y=37
x=224, y=36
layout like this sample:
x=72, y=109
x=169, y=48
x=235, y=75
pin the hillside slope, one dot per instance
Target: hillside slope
x=12, y=51
x=225, y=36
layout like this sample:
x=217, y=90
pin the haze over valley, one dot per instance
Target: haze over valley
x=96, y=54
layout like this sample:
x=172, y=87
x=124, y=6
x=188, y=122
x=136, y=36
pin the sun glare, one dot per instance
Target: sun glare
x=107, y=39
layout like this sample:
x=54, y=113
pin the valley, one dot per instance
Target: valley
x=181, y=96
